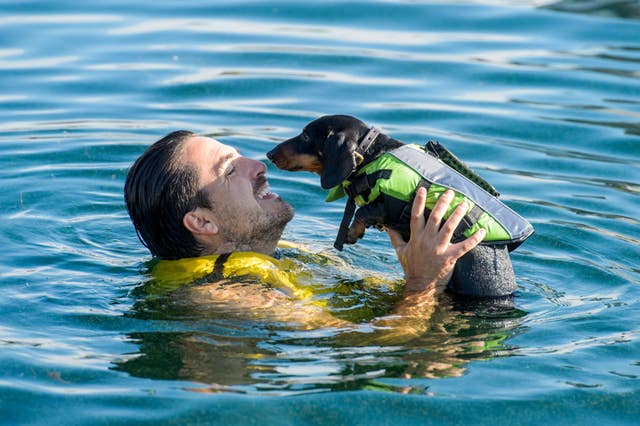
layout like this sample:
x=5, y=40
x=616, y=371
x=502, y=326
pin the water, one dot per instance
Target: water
x=541, y=99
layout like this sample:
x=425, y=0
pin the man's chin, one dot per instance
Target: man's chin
x=287, y=211
x=276, y=214
x=276, y=204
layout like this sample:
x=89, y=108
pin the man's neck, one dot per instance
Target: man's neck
x=264, y=247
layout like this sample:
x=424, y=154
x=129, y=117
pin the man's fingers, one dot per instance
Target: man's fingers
x=446, y=233
x=439, y=210
x=417, y=211
x=463, y=247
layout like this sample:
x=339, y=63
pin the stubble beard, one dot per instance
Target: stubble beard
x=257, y=231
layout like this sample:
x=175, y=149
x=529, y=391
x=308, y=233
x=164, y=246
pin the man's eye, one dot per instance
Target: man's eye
x=230, y=170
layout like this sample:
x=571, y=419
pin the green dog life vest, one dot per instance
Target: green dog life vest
x=398, y=173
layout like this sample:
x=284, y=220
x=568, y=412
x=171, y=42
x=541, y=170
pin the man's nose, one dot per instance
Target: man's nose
x=256, y=168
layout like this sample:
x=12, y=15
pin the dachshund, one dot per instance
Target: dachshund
x=328, y=146
x=336, y=147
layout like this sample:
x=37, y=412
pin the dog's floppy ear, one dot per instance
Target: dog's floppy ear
x=338, y=159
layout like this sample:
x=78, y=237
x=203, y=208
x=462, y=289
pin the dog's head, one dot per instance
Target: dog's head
x=326, y=146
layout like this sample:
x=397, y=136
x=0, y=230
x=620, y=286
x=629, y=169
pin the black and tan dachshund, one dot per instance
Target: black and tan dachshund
x=331, y=147
x=328, y=146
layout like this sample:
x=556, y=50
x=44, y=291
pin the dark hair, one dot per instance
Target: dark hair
x=158, y=192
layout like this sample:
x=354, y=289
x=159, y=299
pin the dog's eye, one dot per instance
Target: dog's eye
x=305, y=137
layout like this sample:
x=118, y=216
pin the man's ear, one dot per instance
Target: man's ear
x=338, y=161
x=200, y=222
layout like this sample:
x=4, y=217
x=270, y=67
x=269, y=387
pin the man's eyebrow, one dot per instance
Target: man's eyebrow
x=228, y=156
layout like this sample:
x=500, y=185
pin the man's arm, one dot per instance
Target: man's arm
x=253, y=301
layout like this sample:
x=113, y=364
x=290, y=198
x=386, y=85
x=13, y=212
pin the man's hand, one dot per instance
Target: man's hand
x=429, y=257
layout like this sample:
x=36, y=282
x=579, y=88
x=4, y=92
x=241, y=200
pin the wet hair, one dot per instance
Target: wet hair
x=159, y=191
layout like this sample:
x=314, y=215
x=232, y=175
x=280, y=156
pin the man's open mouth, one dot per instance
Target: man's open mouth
x=265, y=193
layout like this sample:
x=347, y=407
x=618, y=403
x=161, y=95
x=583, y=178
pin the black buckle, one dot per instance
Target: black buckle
x=363, y=183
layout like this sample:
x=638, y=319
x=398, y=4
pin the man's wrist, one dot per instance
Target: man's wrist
x=417, y=296
x=421, y=285
x=417, y=287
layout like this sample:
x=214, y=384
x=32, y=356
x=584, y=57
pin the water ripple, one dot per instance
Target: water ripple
x=273, y=30
x=261, y=74
x=53, y=18
x=578, y=345
x=36, y=63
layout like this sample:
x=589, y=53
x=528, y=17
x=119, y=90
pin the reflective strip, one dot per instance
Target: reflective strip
x=435, y=171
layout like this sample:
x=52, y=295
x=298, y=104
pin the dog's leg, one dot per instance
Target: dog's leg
x=366, y=216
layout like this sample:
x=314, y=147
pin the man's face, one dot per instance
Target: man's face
x=244, y=209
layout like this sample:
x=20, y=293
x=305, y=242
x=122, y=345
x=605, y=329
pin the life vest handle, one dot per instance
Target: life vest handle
x=349, y=211
x=441, y=152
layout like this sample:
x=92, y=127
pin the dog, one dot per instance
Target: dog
x=335, y=147
x=328, y=147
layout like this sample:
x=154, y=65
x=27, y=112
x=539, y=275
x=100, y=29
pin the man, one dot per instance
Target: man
x=191, y=195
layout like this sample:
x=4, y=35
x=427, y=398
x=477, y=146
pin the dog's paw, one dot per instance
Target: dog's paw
x=356, y=232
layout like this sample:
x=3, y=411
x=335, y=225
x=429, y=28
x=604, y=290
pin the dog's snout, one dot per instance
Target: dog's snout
x=287, y=156
x=275, y=157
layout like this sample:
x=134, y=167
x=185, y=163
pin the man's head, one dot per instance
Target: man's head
x=190, y=195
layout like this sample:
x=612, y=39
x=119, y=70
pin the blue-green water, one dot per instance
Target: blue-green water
x=542, y=99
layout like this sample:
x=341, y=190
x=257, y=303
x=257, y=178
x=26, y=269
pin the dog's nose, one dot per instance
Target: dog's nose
x=275, y=156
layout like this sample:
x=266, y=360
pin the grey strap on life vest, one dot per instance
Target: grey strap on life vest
x=468, y=220
x=435, y=171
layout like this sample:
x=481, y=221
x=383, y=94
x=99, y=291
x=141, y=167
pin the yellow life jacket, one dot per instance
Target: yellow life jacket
x=168, y=275
x=309, y=277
